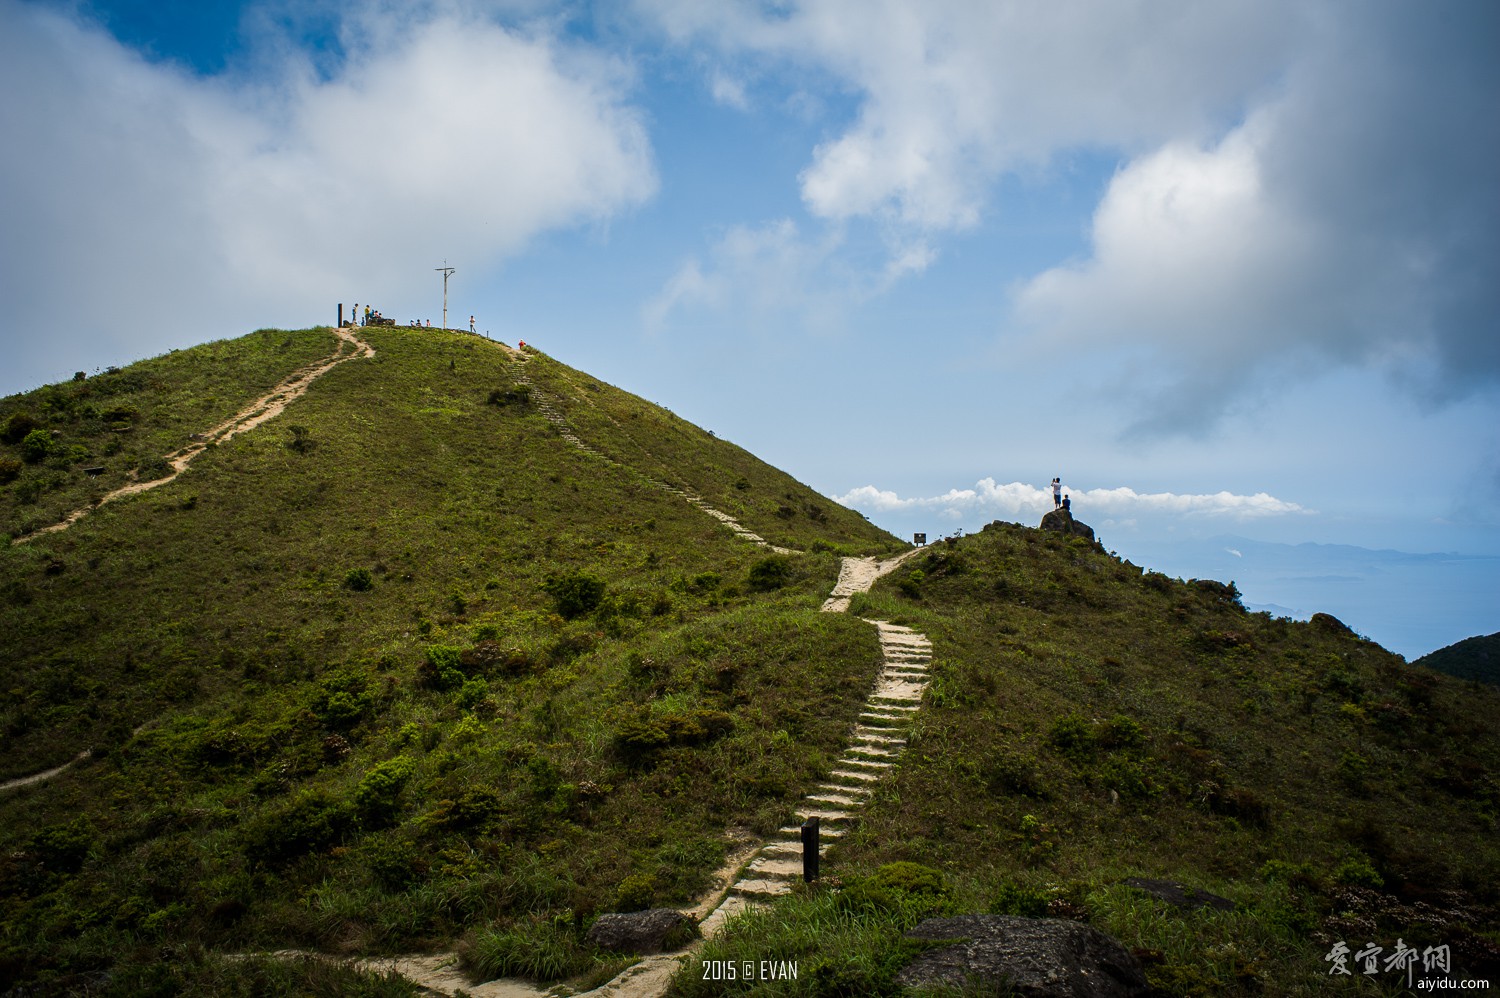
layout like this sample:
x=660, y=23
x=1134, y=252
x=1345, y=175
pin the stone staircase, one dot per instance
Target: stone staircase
x=874, y=746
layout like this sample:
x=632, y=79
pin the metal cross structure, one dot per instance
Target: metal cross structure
x=447, y=273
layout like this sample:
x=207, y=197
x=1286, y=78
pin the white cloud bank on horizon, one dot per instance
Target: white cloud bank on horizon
x=1302, y=185
x=1015, y=499
x=187, y=205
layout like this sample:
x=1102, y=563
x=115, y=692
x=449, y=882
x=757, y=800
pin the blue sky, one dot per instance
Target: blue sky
x=1232, y=270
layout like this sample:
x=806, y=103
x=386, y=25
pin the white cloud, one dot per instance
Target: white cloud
x=765, y=277
x=188, y=206
x=728, y=91
x=1304, y=184
x=1017, y=499
x=955, y=92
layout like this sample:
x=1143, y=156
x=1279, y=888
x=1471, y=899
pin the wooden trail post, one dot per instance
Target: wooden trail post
x=810, y=849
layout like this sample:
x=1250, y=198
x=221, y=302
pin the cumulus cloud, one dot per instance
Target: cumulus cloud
x=1300, y=184
x=187, y=205
x=1348, y=221
x=1017, y=499
x=954, y=92
x=767, y=277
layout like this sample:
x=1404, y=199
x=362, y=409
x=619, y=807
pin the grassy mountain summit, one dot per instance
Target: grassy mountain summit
x=444, y=654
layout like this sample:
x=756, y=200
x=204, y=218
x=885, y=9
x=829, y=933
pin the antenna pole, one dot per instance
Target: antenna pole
x=447, y=273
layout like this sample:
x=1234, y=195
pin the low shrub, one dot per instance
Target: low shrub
x=544, y=949
x=18, y=426
x=575, y=593
x=377, y=798
x=35, y=446
x=10, y=469
x=358, y=580
x=312, y=821
x=771, y=572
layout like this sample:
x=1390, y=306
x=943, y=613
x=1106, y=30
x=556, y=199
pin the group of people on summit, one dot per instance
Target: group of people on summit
x=1058, y=499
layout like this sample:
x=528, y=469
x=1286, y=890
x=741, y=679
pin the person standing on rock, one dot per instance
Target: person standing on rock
x=1056, y=492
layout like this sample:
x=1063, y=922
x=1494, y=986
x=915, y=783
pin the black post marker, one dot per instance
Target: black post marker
x=810, y=849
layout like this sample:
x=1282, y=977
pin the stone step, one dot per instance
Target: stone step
x=869, y=763
x=789, y=850
x=866, y=734
x=856, y=754
x=775, y=869
x=833, y=799
x=823, y=814
x=793, y=833
x=898, y=690
x=761, y=887
x=865, y=776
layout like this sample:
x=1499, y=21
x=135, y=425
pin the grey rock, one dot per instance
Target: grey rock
x=1062, y=520
x=651, y=931
x=1180, y=895
x=1034, y=957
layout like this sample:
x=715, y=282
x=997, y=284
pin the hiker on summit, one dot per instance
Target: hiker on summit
x=1068, y=505
x=1056, y=492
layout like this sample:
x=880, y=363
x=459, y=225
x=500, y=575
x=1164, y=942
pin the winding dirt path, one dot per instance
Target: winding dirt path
x=267, y=407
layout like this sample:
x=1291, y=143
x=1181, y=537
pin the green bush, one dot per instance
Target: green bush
x=472, y=693
x=909, y=892
x=343, y=699
x=440, y=668
x=358, y=579
x=394, y=863
x=542, y=949
x=314, y=820
x=10, y=469
x=771, y=572
x=377, y=798
x=19, y=426
x=301, y=442
x=1016, y=899
x=641, y=733
x=1073, y=735
x=575, y=593
x=35, y=446
x=63, y=848
x=635, y=893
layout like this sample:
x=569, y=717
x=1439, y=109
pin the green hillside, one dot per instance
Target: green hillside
x=1476, y=658
x=443, y=656
x=401, y=664
x=1089, y=723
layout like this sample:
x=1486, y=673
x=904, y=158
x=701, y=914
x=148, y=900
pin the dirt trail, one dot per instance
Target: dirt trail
x=45, y=774
x=262, y=409
x=547, y=405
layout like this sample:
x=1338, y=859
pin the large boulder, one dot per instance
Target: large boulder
x=652, y=931
x=1034, y=957
x=1062, y=520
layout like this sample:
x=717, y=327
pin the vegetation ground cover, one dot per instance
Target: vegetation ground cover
x=1088, y=722
x=404, y=668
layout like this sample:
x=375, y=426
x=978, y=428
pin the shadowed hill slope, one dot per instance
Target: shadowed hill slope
x=1476, y=658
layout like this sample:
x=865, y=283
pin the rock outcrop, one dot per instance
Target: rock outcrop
x=1034, y=957
x=1062, y=520
x=1180, y=895
x=652, y=931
